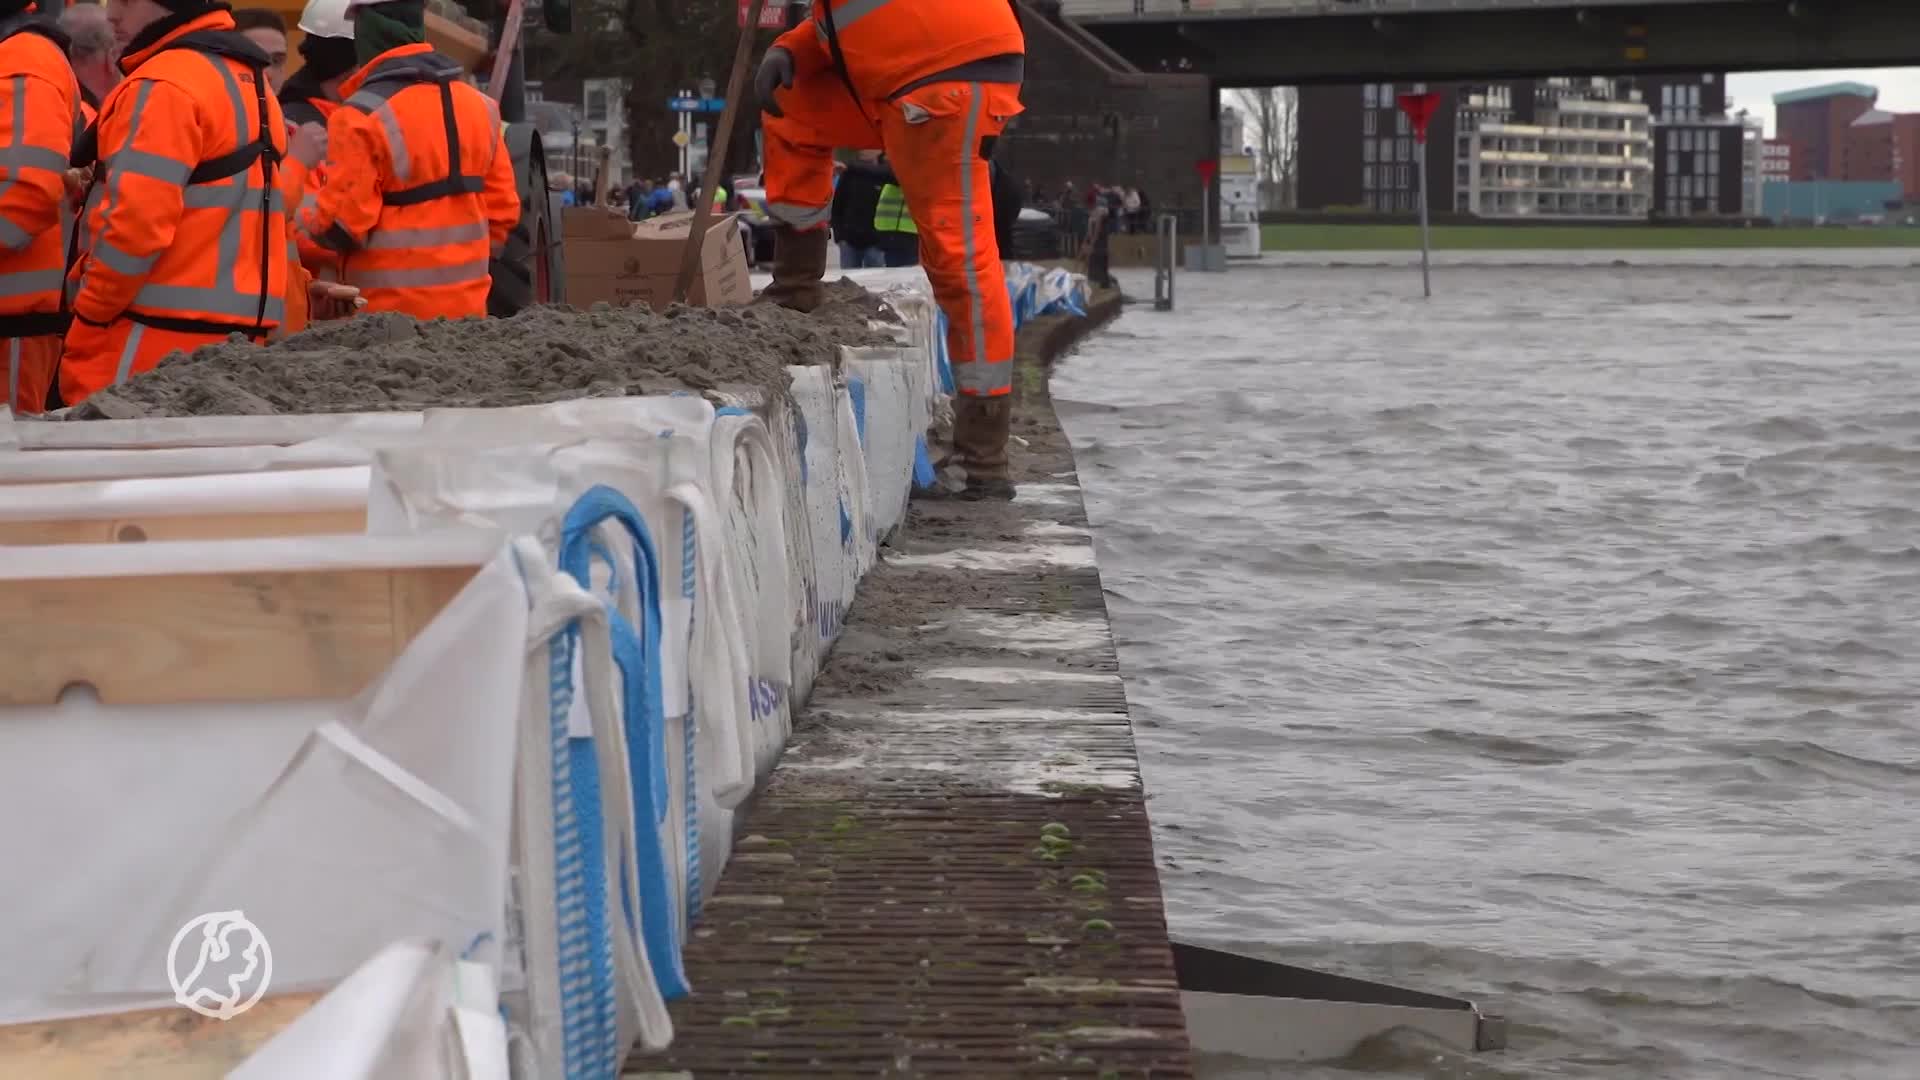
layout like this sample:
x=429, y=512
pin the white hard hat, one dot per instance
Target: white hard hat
x=327, y=19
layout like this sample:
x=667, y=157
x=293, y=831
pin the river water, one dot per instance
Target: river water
x=1550, y=643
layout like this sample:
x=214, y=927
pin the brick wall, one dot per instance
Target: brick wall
x=1091, y=118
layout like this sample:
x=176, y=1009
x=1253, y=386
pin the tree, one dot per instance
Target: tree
x=661, y=47
x=1273, y=114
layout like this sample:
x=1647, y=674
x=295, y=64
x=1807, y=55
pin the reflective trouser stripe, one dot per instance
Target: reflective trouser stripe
x=420, y=277
x=976, y=300
x=197, y=301
x=984, y=378
x=800, y=217
x=13, y=374
x=127, y=353
x=391, y=239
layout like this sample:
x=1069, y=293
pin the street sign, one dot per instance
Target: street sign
x=1206, y=167
x=772, y=16
x=694, y=104
x=1420, y=109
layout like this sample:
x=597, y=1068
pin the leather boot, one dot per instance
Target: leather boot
x=981, y=427
x=799, y=267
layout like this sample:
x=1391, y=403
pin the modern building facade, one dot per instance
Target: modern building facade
x=1815, y=121
x=1584, y=155
x=1776, y=163
x=1700, y=168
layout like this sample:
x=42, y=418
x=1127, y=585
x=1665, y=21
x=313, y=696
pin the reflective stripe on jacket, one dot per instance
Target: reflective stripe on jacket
x=420, y=188
x=888, y=44
x=185, y=228
x=890, y=212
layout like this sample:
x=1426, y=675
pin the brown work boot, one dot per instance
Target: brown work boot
x=981, y=426
x=799, y=267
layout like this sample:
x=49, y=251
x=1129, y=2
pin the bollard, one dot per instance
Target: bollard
x=1164, y=257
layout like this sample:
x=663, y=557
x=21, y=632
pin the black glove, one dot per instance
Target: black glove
x=776, y=71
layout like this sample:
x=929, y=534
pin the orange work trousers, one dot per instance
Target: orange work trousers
x=100, y=356
x=30, y=364
x=932, y=137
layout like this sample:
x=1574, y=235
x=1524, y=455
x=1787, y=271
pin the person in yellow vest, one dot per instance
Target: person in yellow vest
x=895, y=234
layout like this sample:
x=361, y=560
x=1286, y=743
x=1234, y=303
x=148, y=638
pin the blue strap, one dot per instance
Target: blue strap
x=857, y=393
x=637, y=655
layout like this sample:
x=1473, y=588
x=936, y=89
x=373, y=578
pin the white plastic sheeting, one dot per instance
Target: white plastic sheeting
x=336, y=826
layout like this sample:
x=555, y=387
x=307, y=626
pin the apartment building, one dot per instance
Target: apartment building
x=1537, y=148
x=1700, y=168
x=1585, y=154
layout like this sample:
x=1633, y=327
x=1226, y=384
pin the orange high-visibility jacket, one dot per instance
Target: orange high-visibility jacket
x=39, y=119
x=888, y=44
x=185, y=226
x=420, y=189
x=320, y=261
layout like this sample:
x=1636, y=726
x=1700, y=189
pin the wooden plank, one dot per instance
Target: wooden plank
x=152, y=1044
x=216, y=636
x=126, y=530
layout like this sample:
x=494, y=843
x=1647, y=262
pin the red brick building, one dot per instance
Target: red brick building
x=1816, y=121
x=1866, y=147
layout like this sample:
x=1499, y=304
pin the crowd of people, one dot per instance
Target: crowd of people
x=165, y=185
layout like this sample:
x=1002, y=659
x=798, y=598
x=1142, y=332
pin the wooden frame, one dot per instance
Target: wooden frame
x=170, y=638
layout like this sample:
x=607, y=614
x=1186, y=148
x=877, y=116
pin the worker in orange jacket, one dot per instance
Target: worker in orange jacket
x=184, y=238
x=39, y=117
x=420, y=190
x=933, y=83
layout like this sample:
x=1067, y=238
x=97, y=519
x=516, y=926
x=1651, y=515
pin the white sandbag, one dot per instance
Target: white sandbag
x=335, y=826
x=855, y=495
x=829, y=517
x=894, y=417
x=748, y=465
x=412, y=1010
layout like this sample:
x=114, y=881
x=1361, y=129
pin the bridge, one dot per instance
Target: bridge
x=1269, y=42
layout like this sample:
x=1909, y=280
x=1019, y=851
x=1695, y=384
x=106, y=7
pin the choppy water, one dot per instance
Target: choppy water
x=1552, y=643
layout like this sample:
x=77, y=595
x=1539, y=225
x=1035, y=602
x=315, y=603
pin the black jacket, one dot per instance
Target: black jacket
x=854, y=200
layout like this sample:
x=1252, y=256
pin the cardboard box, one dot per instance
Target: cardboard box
x=621, y=262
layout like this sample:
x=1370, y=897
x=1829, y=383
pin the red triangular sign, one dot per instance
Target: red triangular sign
x=1206, y=167
x=1420, y=109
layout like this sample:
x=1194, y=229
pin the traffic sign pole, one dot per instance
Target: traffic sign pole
x=1419, y=109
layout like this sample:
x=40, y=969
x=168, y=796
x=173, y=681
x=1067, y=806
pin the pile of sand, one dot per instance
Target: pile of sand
x=387, y=362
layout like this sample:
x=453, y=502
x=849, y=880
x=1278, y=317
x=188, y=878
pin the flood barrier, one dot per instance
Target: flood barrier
x=493, y=680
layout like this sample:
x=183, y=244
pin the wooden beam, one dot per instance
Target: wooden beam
x=214, y=636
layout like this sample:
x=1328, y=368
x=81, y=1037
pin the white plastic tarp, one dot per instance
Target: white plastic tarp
x=335, y=826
